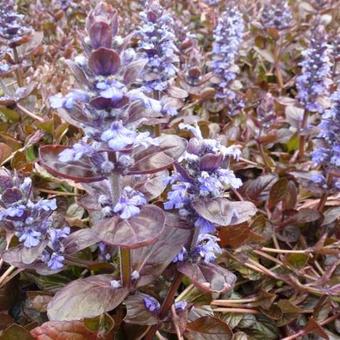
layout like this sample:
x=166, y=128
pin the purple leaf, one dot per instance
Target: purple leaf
x=208, y=277
x=210, y=162
x=85, y=298
x=222, y=212
x=21, y=256
x=151, y=261
x=136, y=312
x=101, y=35
x=104, y=62
x=135, y=232
x=80, y=240
x=76, y=171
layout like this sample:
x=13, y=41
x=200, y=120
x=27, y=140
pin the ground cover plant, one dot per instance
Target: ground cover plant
x=169, y=169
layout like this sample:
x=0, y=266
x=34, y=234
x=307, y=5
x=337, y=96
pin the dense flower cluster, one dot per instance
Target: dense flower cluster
x=276, y=14
x=202, y=173
x=312, y=84
x=212, y=2
x=228, y=37
x=105, y=107
x=31, y=221
x=328, y=150
x=13, y=29
x=266, y=111
x=157, y=45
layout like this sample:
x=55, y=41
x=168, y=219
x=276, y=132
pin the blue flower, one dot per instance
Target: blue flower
x=78, y=151
x=178, y=197
x=118, y=137
x=157, y=45
x=30, y=238
x=56, y=261
x=277, y=15
x=181, y=256
x=56, y=235
x=228, y=36
x=151, y=304
x=180, y=305
x=67, y=102
x=204, y=226
x=129, y=203
x=207, y=247
x=313, y=81
x=327, y=151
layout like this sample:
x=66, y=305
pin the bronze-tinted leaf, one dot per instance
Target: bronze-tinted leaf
x=152, y=260
x=20, y=256
x=257, y=190
x=160, y=157
x=133, y=70
x=80, y=240
x=85, y=298
x=76, y=171
x=208, y=328
x=208, y=277
x=104, y=62
x=278, y=192
x=138, y=231
x=63, y=330
x=136, y=312
x=222, y=212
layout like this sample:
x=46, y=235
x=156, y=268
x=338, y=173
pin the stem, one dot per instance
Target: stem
x=166, y=304
x=277, y=51
x=324, y=196
x=284, y=251
x=125, y=266
x=262, y=152
x=236, y=310
x=157, y=130
x=18, y=71
x=303, y=332
x=302, y=138
x=232, y=301
x=5, y=274
x=114, y=180
x=29, y=113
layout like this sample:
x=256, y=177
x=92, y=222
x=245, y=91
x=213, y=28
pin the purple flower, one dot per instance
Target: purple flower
x=157, y=45
x=56, y=261
x=129, y=203
x=151, y=304
x=78, y=151
x=178, y=197
x=115, y=284
x=30, y=238
x=67, y=102
x=313, y=81
x=181, y=256
x=207, y=247
x=276, y=14
x=204, y=226
x=228, y=36
x=180, y=305
x=327, y=152
x=118, y=137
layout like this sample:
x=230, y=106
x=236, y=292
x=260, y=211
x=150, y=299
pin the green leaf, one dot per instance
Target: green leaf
x=16, y=332
x=10, y=114
x=297, y=261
